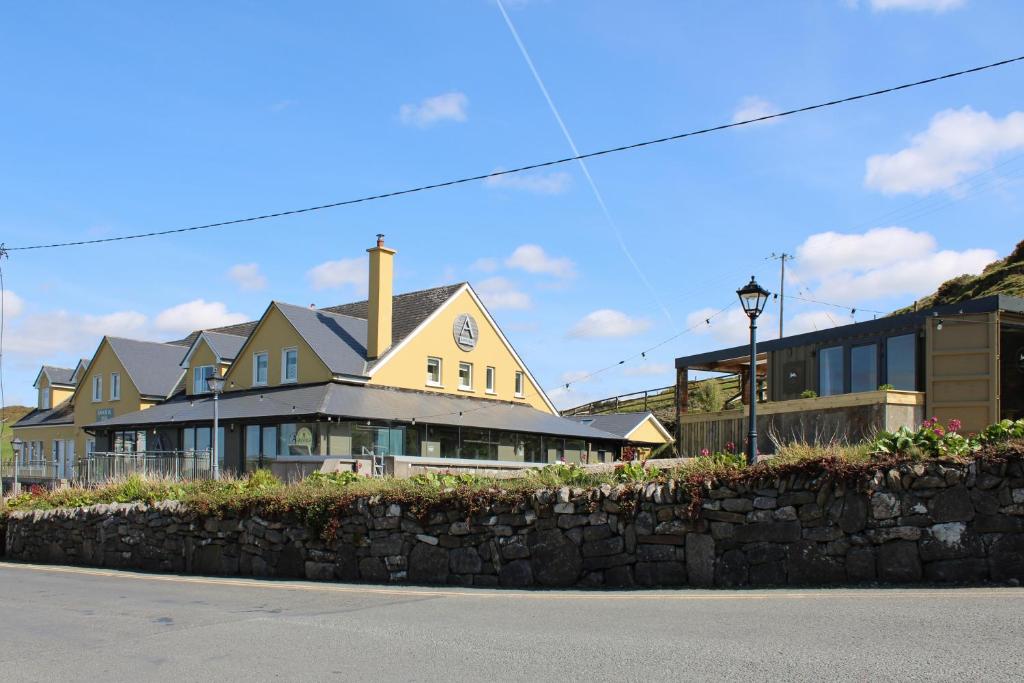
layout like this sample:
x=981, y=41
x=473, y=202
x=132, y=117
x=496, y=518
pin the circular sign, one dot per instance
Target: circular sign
x=304, y=437
x=465, y=332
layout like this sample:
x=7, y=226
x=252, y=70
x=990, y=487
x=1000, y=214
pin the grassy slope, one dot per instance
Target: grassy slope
x=11, y=415
x=1005, y=276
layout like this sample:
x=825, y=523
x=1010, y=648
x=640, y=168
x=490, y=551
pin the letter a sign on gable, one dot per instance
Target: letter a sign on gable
x=465, y=332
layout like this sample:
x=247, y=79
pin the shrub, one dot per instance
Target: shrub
x=561, y=474
x=1002, y=431
x=635, y=472
x=931, y=439
x=345, y=478
x=886, y=387
x=707, y=397
x=809, y=393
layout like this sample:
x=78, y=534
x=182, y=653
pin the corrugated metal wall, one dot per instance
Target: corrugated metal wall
x=962, y=369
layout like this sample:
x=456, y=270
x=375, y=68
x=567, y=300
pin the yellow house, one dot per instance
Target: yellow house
x=48, y=432
x=424, y=374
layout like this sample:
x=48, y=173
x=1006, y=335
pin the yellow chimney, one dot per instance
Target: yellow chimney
x=382, y=268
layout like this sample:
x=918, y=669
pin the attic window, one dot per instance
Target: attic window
x=588, y=421
x=289, y=365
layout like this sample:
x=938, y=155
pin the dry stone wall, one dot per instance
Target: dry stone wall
x=934, y=522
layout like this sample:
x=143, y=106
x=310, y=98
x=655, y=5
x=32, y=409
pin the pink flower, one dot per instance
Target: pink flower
x=730, y=447
x=705, y=452
x=939, y=431
x=955, y=425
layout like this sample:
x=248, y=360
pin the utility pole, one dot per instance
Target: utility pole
x=782, y=258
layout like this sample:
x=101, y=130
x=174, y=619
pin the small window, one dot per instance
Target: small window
x=466, y=376
x=44, y=398
x=830, y=371
x=519, y=384
x=901, y=362
x=434, y=372
x=259, y=368
x=115, y=386
x=289, y=365
x=490, y=380
x=199, y=377
x=97, y=388
x=864, y=368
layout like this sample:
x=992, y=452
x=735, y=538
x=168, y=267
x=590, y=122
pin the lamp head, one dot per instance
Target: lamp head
x=753, y=297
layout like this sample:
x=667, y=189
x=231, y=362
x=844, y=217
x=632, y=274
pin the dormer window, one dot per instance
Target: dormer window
x=199, y=376
x=44, y=398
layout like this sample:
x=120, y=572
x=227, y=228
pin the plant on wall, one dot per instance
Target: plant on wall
x=707, y=397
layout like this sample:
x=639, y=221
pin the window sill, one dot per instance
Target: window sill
x=435, y=386
x=469, y=390
x=519, y=396
x=289, y=381
x=491, y=392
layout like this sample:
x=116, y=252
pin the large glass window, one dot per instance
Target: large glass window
x=252, y=441
x=270, y=441
x=901, y=362
x=130, y=441
x=290, y=365
x=259, y=367
x=297, y=439
x=478, y=444
x=864, y=368
x=830, y=371
x=199, y=377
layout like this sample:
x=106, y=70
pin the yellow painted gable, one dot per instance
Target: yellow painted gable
x=406, y=366
x=87, y=411
x=201, y=356
x=647, y=432
x=273, y=334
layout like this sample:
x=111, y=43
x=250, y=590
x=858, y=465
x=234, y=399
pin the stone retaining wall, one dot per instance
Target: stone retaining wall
x=938, y=522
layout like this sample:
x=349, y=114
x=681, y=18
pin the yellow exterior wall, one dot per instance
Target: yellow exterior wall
x=104, y=362
x=58, y=395
x=274, y=333
x=48, y=435
x=647, y=433
x=408, y=368
x=203, y=355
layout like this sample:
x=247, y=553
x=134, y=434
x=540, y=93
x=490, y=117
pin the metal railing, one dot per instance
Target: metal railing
x=34, y=470
x=182, y=465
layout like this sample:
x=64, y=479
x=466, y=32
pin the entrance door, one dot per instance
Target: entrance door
x=69, y=460
x=1011, y=376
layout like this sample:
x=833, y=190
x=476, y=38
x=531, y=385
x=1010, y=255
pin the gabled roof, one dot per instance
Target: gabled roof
x=62, y=414
x=621, y=424
x=82, y=365
x=338, y=340
x=56, y=375
x=153, y=367
x=365, y=402
x=224, y=346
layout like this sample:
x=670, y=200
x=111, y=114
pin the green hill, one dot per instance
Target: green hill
x=11, y=414
x=1005, y=276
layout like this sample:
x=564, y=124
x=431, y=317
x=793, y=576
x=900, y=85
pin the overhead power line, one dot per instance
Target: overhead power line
x=528, y=167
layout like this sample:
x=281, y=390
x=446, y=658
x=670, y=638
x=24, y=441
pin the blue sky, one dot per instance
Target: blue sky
x=120, y=117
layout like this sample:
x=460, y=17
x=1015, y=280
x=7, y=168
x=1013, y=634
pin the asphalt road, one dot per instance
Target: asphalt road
x=62, y=623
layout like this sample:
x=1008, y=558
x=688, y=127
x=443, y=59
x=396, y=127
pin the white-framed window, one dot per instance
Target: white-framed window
x=115, y=386
x=199, y=376
x=433, y=372
x=97, y=388
x=260, y=362
x=289, y=365
x=466, y=376
x=489, y=380
x=44, y=398
x=520, y=381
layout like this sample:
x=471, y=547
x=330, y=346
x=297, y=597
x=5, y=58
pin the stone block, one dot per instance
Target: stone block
x=606, y=561
x=721, y=516
x=998, y=524
x=898, y=562
x=785, y=514
x=809, y=512
x=768, y=574
x=389, y=545
x=722, y=530
x=732, y=569
x=809, y=565
x=655, y=553
x=894, y=533
x=554, y=559
x=949, y=541
x=761, y=553
x=700, y=559
x=371, y=569
x=673, y=539
x=464, y=561
x=885, y=506
x=619, y=577
x=428, y=564
x=822, y=534
x=966, y=570
x=769, y=532
x=860, y=564
x=1006, y=557
x=571, y=521
x=737, y=505
x=607, y=546
x=660, y=573
x=952, y=505
x=765, y=503
x=854, y=515
x=517, y=574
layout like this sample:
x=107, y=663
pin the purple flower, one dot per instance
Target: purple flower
x=705, y=452
x=955, y=425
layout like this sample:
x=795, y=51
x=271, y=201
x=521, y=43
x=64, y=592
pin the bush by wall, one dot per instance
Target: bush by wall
x=814, y=523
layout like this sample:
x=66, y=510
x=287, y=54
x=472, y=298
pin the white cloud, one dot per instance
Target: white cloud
x=957, y=143
x=447, y=107
x=533, y=259
x=498, y=293
x=880, y=263
x=197, y=315
x=485, y=265
x=754, y=108
x=731, y=328
x=39, y=336
x=649, y=369
x=607, y=322
x=916, y=5
x=13, y=304
x=248, y=276
x=333, y=274
x=555, y=182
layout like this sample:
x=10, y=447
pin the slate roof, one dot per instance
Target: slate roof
x=63, y=414
x=59, y=375
x=153, y=367
x=339, y=340
x=620, y=424
x=362, y=403
x=225, y=346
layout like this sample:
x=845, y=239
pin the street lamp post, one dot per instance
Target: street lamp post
x=216, y=385
x=16, y=446
x=753, y=297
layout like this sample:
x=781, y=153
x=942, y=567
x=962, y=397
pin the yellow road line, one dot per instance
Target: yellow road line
x=682, y=594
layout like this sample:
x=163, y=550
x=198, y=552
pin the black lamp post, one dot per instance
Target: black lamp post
x=753, y=297
x=215, y=383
